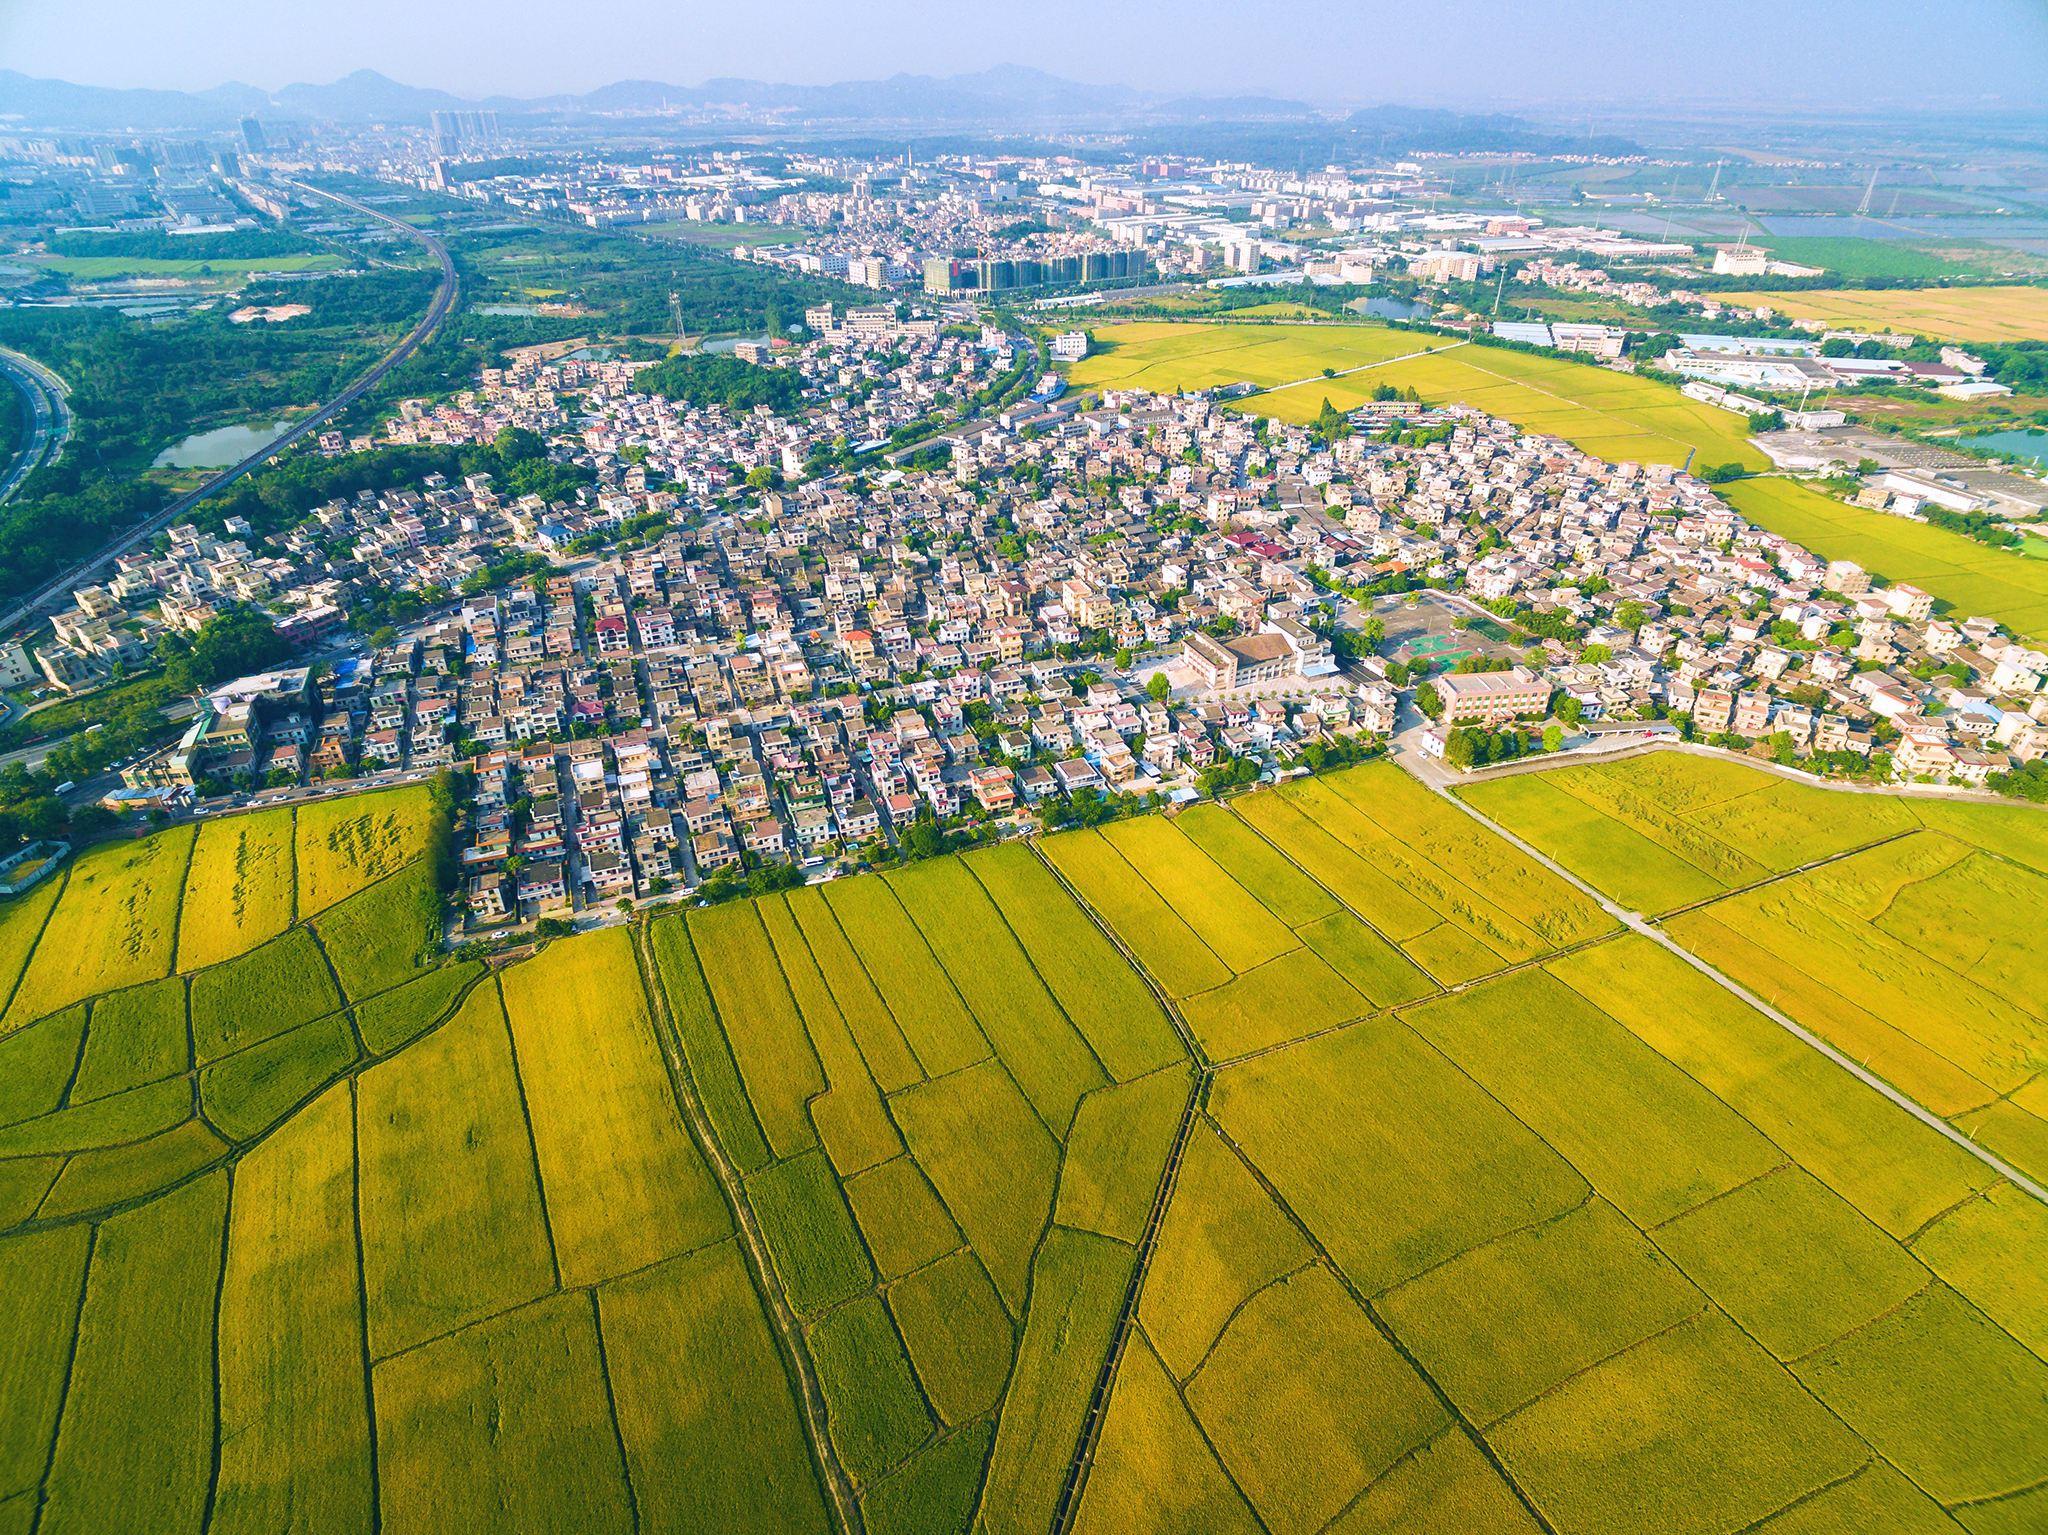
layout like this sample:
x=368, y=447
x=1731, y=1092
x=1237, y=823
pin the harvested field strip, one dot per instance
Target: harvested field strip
x=1168, y=947
x=240, y=890
x=471, y=1241
x=920, y=998
x=625, y=1185
x=114, y=925
x=849, y=1117
x=1098, y=990
x=1235, y=927
x=1045, y=1055
x=135, y=1441
x=885, y=1052
x=776, y=1062
x=294, y=1422
x=717, y=1078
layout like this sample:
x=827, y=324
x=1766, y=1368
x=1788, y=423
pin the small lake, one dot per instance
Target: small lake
x=2022, y=443
x=222, y=446
x=1381, y=308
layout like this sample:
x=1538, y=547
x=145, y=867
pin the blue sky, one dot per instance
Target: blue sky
x=1451, y=52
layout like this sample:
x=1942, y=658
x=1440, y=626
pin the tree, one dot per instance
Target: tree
x=1570, y=710
x=1157, y=687
x=1553, y=737
x=233, y=643
x=1429, y=700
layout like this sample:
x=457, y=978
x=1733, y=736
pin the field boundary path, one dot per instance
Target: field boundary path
x=49, y=417
x=438, y=310
x=1635, y=922
x=774, y=1303
x=1364, y=367
x=1068, y=1508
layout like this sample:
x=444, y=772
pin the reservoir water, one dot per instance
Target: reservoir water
x=2020, y=442
x=222, y=446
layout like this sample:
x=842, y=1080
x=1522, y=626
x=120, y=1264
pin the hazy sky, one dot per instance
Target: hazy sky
x=1337, y=51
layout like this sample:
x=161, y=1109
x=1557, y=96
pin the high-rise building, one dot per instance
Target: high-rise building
x=252, y=136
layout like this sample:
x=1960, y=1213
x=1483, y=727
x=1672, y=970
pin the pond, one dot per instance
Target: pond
x=2021, y=443
x=222, y=446
x=1383, y=308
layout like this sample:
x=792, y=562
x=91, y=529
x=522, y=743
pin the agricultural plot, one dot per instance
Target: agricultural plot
x=1902, y=933
x=1968, y=578
x=114, y=925
x=346, y=844
x=953, y=1232
x=1585, y=1245
x=240, y=889
x=1941, y=314
x=1615, y=416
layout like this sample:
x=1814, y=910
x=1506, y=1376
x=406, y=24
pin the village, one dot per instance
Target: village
x=759, y=640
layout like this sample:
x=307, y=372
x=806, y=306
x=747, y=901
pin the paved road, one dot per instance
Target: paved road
x=49, y=426
x=1435, y=778
x=1364, y=367
x=437, y=311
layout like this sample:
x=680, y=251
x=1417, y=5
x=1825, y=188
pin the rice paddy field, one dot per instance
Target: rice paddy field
x=1904, y=932
x=1313, y=1160
x=1942, y=314
x=1616, y=416
x=1970, y=579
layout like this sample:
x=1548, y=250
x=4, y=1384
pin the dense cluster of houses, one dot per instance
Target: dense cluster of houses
x=697, y=672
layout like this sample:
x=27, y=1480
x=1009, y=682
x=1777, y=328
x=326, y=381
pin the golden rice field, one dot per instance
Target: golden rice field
x=1914, y=947
x=1941, y=314
x=1968, y=578
x=1616, y=416
x=1309, y=1161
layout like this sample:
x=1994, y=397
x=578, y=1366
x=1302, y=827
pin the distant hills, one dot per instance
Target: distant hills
x=1007, y=97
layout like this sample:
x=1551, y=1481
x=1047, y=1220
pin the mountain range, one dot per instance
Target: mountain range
x=1007, y=93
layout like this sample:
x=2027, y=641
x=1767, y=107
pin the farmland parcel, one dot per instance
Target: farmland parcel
x=1388, y=1189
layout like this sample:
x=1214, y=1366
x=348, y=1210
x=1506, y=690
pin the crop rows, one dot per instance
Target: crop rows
x=1298, y=910
x=283, y=1262
x=951, y=1100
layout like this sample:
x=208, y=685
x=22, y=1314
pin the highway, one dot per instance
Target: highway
x=437, y=312
x=49, y=425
